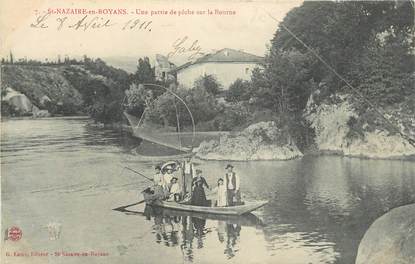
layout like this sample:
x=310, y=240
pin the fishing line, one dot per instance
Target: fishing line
x=406, y=137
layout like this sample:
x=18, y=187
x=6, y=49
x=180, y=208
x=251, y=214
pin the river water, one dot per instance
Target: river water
x=61, y=178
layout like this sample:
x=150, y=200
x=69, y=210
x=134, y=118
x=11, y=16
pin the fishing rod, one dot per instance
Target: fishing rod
x=405, y=136
x=144, y=176
x=122, y=208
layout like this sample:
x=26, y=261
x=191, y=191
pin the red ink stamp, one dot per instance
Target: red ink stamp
x=14, y=233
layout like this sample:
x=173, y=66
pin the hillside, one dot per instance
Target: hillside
x=38, y=81
x=90, y=87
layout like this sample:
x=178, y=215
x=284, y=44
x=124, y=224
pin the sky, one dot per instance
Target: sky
x=249, y=29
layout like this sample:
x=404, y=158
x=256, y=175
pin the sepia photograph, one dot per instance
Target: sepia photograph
x=207, y=132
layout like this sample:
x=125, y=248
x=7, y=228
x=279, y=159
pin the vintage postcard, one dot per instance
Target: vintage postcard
x=160, y=132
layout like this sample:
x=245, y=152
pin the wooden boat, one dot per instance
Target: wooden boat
x=152, y=198
x=228, y=210
x=247, y=219
x=247, y=207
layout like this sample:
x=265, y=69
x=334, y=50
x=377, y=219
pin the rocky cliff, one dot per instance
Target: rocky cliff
x=90, y=87
x=260, y=141
x=341, y=126
x=44, y=86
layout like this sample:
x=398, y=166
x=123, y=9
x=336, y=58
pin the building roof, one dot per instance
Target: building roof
x=225, y=55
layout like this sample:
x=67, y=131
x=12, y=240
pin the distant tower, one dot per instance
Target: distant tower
x=11, y=57
x=59, y=59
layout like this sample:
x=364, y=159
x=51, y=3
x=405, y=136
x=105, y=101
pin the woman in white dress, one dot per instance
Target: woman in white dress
x=221, y=196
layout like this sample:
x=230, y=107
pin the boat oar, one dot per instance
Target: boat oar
x=142, y=175
x=122, y=208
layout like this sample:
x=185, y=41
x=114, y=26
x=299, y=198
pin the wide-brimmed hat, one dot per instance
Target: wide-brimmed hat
x=229, y=166
x=174, y=178
x=169, y=165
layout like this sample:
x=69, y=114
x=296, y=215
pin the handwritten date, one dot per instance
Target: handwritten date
x=87, y=22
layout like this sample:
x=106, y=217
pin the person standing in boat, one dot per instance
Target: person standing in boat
x=167, y=176
x=178, y=173
x=198, y=195
x=232, y=186
x=221, y=194
x=175, y=190
x=188, y=173
x=158, y=176
x=158, y=187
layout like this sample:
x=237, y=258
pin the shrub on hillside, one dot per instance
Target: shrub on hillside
x=238, y=91
x=231, y=118
x=166, y=107
x=209, y=83
x=136, y=99
x=102, y=95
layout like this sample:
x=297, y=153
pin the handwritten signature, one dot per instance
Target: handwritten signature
x=88, y=22
x=181, y=46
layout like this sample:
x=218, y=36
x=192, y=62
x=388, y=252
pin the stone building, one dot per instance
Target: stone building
x=226, y=65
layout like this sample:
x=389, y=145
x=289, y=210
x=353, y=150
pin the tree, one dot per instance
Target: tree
x=209, y=83
x=347, y=36
x=285, y=83
x=106, y=105
x=385, y=70
x=11, y=57
x=368, y=43
x=203, y=105
x=340, y=32
x=102, y=91
x=238, y=91
x=145, y=73
x=137, y=99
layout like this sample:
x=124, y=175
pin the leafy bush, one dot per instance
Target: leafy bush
x=137, y=97
x=231, y=117
x=238, y=91
x=202, y=104
x=99, y=67
x=209, y=83
x=102, y=95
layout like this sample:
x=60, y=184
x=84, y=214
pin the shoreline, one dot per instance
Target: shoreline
x=46, y=117
x=336, y=153
x=127, y=128
x=322, y=153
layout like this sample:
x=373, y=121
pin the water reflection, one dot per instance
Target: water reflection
x=233, y=232
x=188, y=230
x=319, y=206
x=333, y=199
